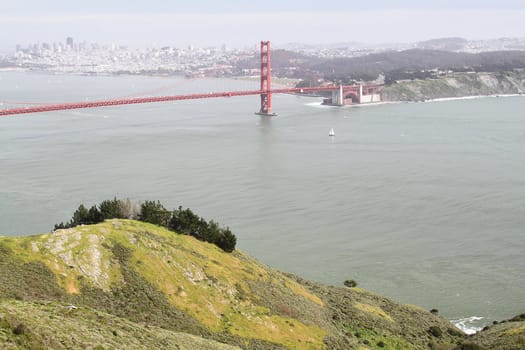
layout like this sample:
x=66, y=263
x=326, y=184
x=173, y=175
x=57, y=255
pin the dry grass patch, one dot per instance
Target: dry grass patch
x=374, y=310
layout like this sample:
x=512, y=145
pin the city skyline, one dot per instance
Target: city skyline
x=239, y=23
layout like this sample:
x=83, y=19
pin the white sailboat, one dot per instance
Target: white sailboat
x=331, y=132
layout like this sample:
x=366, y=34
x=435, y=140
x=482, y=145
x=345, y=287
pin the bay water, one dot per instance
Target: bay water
x=422, y=202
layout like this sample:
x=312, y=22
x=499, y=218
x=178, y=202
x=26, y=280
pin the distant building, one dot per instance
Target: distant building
x=69, y=42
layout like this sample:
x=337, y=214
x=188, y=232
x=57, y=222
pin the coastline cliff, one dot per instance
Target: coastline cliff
x=453, y=85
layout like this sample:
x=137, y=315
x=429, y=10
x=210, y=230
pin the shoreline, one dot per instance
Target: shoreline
x=440, y=99
x=472, y=97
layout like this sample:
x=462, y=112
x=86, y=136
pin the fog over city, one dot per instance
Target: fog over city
x=241, y=23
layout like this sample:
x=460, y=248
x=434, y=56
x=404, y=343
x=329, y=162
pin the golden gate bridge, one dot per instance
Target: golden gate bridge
x=341, y=94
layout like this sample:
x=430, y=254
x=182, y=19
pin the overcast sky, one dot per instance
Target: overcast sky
x=246, y=22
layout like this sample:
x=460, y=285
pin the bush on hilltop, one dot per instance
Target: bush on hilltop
x=350, y=283
x=183, y=221
x=154, y=213
x=108, y=209
x=112, y=209
x=187, y=222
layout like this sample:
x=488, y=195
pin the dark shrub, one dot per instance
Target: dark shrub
x=435, y=331
x=350, y=283
x=60, y=226
x=109, y=209
x=112, y=209
x=80, y=216
x=185, y=221
x=454, y=332
x=83, y=216
x=211, y=232
x=94, y=215
x=469, y=346
x=154, y=213
x=20, y=329
x=227, y=240
x=434, y=311
x=518, y=318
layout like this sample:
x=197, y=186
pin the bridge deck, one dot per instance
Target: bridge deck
x=127, y=101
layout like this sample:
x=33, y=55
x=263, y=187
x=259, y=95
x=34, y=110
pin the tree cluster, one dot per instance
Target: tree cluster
x=107, y=209
x=183, y=221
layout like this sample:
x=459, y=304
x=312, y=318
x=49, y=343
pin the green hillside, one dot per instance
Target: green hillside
x=128, y=282
x=48, y=325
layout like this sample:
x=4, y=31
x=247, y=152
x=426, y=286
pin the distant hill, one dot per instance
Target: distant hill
x=281, y=61
x=456, y=44
x=394, y=64
x=443, y=44
x=415, y=63
x=129, y=284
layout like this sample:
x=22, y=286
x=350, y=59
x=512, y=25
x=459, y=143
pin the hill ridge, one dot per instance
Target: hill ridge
x=153, y=277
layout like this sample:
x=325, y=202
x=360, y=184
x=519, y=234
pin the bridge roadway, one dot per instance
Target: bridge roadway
x=127, y=101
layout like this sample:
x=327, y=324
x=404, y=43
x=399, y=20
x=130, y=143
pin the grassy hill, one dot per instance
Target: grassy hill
x=51, y=325
x=129, y=284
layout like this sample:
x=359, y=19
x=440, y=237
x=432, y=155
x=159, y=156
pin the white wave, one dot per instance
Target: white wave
x=469, y=325
x=355, y=105
x=371, y=104
x=317, y=104
x=475, y=97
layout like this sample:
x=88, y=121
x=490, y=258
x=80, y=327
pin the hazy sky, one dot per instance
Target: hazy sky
x=246, y=22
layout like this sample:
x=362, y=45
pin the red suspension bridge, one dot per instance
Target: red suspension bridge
x=341, y=94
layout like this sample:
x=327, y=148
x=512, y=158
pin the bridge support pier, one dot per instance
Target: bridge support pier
x=338, y=98
x=266, y=81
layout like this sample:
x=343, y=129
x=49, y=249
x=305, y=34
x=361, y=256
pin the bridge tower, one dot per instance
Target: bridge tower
x=266, y=80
